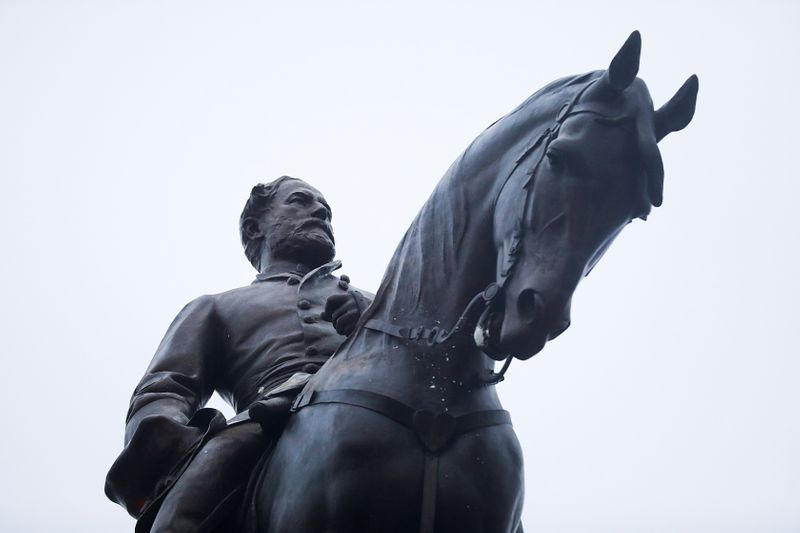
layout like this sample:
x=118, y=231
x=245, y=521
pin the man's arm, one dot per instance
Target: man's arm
x=179, y=380
x=164, y=419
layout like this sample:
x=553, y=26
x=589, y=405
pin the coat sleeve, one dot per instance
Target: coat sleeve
x=180, y=378
x=165, y=422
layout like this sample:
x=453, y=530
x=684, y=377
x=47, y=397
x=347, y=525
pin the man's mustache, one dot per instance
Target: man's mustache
x=317, y=223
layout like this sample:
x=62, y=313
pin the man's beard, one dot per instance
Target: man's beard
x=309, y=249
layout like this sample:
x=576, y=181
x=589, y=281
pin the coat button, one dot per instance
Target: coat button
x=292, y=280
x=304, y=304
x=310, y=368
x=343, y=285
x=345, y=278
x=311, y=351
x=309, y=319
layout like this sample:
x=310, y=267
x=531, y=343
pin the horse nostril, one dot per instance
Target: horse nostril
x=526, y=304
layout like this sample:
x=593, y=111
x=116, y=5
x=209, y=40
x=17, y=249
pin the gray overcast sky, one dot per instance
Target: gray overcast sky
x=131, y=133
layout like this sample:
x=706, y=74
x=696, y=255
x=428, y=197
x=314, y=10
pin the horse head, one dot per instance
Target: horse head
x=596, y=168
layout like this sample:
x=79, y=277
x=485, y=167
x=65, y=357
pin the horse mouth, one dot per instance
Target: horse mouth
x=520, y=332
x=487, y=331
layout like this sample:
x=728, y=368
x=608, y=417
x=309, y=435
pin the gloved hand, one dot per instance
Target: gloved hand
x=344, y=310
x=271, y=412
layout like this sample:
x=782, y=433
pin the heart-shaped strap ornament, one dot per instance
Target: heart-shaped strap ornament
x=435, y=430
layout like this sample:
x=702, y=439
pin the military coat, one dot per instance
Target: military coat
x=240, y=343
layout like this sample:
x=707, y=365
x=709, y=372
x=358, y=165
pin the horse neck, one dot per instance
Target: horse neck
x=445, y=258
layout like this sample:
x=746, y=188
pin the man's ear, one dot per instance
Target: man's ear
x=252, y=228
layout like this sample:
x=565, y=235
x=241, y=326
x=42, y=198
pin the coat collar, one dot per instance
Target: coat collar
x=301, y=271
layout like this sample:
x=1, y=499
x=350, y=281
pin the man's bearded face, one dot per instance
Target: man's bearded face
x=297, y=225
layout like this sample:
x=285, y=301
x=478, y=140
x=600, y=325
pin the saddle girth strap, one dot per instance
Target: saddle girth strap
x=435, y=432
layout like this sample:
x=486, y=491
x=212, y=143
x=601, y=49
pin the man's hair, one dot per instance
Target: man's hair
x=260, y=199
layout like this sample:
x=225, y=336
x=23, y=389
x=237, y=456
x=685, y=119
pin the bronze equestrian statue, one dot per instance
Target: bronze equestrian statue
x=184, y=467
x=402, y=430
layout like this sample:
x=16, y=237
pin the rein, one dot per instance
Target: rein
x=479, y=307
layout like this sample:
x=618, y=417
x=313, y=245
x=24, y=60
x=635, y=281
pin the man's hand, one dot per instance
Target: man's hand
x=344, y=310
x=272, y=412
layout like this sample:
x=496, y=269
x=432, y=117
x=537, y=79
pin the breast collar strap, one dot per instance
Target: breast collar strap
x=435, y=431
x=480, y=304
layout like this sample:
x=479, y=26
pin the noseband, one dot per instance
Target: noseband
x=478, y=309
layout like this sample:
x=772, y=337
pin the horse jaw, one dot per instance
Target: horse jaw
x=521, y=332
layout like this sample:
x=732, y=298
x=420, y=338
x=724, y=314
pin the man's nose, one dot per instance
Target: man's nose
x=320, y=212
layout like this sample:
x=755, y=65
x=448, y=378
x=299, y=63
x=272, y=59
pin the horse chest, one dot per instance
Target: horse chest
x=372, y=469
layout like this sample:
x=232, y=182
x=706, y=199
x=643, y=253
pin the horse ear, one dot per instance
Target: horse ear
x=625, y=65
x=679, y=110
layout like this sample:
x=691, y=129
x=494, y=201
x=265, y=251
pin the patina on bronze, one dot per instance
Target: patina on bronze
x=402, y=431
x=184, y=467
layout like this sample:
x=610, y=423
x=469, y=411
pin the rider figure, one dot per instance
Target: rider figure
x=183, y=466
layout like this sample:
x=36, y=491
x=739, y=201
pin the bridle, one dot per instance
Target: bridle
x=479, y=308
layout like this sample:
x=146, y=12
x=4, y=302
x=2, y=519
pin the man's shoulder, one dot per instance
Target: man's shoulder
x=258, y=291
x=219, y=306
x=214, y=299
x=237, y=294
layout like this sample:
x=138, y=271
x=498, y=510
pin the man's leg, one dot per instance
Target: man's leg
x=220, y=467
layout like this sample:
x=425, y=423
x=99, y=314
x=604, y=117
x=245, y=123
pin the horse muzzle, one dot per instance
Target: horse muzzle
x=521, y=325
